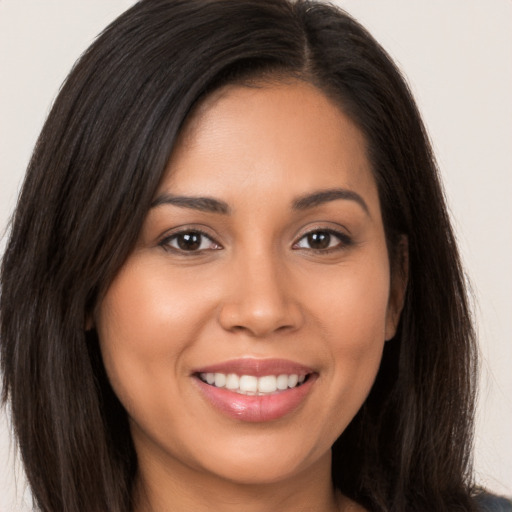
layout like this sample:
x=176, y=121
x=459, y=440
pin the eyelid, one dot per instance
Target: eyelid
x=345, y=239
x=173, y=233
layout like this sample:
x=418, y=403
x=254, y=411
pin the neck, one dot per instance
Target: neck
x=181, y=489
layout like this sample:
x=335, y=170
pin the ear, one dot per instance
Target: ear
x=398, y=286
x=89, y=322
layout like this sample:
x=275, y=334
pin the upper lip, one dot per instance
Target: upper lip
x=256, y=367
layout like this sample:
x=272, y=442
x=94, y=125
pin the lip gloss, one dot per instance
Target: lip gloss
x=256, y=408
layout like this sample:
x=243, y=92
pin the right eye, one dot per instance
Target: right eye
x=190, y=241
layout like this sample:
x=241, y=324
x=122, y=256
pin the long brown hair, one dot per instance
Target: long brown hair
x=89, y=185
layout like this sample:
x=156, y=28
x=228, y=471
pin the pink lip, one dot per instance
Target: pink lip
x=256, y=408
x=257, y=367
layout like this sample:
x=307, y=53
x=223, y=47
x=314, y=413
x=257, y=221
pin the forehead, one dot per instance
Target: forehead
x=258, y=138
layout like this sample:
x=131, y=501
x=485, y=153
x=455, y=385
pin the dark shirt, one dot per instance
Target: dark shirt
x=491, y=503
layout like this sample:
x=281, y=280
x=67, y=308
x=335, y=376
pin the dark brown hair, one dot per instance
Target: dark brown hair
x=89, y=185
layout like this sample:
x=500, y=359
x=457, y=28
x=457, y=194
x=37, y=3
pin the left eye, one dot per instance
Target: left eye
x=190, y=241
x=322, y=240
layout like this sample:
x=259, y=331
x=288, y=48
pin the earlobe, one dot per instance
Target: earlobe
x=398, y=287
x=89, y=323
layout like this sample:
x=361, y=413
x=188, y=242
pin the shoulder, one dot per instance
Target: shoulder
x=491, y=503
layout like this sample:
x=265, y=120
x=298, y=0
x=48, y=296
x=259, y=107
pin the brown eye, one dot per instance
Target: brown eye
x=189, y=241
x=323, y=240
x=319, y=240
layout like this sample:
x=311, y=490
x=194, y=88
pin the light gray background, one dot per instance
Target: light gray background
x=457, y=55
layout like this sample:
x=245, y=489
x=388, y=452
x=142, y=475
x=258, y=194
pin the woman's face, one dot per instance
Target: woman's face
x=246, y=328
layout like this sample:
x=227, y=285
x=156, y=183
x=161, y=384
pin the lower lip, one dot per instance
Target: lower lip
x=256, y=408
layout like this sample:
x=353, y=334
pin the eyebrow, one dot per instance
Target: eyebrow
x=203, y=204
x=211, y=205
x=325, y=196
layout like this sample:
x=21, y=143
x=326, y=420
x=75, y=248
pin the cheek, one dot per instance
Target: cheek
x=144, y=309
x=351, y=304
x=350, y=310
x=144, y=324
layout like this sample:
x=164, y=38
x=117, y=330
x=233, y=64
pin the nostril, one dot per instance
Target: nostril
x=284, y=328
x=259, y=315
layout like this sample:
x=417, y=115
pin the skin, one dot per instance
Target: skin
x=254, y=288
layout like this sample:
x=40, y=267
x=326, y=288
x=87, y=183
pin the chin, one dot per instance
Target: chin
x=262, y=461
x=260, y=470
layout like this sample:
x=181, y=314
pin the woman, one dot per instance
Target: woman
x=236, y=256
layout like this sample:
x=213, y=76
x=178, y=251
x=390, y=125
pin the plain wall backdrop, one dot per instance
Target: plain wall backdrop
x=457, y=56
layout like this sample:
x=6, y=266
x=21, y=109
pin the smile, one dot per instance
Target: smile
x=252, y=385
x=253, y=390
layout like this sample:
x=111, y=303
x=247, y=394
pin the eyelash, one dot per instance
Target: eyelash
x=166, y=242
x=343, y=239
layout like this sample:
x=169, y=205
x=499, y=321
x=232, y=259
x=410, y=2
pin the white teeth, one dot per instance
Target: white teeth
x=251, y=385
x=292, y=381
x=248, y=383
x=220, y=380
x=232, y=381
x=267, y=384
x=282, y=382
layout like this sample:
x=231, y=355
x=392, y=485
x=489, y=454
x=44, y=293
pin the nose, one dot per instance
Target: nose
x=260, y=299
